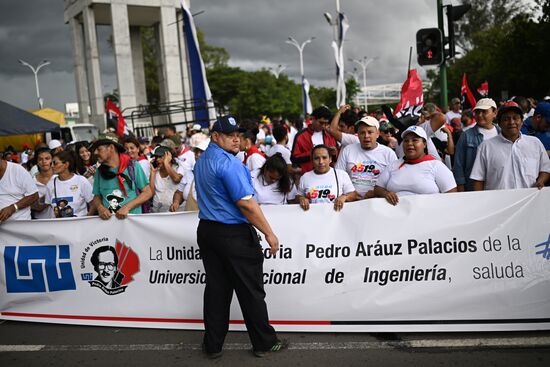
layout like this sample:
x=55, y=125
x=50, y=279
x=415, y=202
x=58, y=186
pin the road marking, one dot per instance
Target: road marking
x=526, y=342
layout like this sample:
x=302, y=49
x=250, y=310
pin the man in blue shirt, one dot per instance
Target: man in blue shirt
x=229, y=244
x=538, y=125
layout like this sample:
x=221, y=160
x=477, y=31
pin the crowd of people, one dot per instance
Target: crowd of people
x=327, y=158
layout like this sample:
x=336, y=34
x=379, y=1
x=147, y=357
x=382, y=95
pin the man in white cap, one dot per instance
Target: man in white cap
x=197, y=136
x=364, y=161
x=55, y=146
x=466, y=149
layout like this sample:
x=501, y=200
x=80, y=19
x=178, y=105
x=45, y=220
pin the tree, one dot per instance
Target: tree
x=212, y=56
x=483, y=15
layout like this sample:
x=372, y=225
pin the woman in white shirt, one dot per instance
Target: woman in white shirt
x=416, y=173
x=325, y=184
x=166, y=174
x=69, y=194
x=273, y=185
x=41, y=210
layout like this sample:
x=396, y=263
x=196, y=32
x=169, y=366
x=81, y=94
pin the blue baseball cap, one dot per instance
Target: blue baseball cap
x=543, y=108
x=226, y=125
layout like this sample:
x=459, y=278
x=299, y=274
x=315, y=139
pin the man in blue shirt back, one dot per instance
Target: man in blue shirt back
x=538, y=125
x=229, y=244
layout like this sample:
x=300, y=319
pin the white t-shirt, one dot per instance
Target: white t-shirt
x=426, y=125
x=278, y=148
x=317, y=138
x=429, y=177
x=269, y=194
x=164, y=190
x=254, y=162
x=348, y=139
x=488, y=133
x=188, y=159
x=145, y=165
x=291, y=136
x=364, y=166
x=185, y=188
x=77, y=191
x=506, y=165
x=15, y=184
x=47, y=213
x=322, y=188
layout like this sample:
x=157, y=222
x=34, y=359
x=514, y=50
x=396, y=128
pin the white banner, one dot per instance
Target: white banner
x=453, y=262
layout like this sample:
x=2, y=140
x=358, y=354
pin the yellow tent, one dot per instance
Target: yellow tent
x=31, y=140
x=52, y=115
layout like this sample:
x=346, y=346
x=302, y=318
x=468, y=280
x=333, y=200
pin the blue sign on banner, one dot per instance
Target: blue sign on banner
x=38, y=269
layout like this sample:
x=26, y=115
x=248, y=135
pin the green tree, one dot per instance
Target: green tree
x=212, y=56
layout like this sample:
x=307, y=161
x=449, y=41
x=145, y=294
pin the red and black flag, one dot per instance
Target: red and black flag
x=115, y=119
x=467, y=98
x=483, y=89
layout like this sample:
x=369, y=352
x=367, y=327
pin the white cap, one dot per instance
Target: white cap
x=197, y=127
x=485, y=104
x=417, y=130
x=203, y=144
x=54, y=144
x=369, y=121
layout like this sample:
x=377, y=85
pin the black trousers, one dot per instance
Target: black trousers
x=233, y=260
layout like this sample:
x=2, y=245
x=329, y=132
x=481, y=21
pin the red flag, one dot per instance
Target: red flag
x=115, y=119
x=412, y=99
x=468, y=99
x=483, y=89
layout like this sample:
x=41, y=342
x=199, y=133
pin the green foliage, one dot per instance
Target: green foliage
x=212, y=56
x=250, y=94
x=150, y=64
x=511, y=57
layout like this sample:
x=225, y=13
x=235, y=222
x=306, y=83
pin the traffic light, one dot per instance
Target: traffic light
x=429, y=46
x=454, y=13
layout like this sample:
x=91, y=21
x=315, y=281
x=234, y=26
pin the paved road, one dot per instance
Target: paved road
x=33, y=344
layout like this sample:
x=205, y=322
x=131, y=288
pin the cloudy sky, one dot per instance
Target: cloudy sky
x=252, y=31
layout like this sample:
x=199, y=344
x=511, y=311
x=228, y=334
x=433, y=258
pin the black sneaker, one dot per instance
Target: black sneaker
x=211, y=355
x=277, y=347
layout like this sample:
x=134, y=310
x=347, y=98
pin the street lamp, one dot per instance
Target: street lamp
x=277, y=71
x=364, y=63
x=300, y=47
x=35, y=71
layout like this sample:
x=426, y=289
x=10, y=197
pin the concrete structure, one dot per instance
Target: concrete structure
x=126, y=17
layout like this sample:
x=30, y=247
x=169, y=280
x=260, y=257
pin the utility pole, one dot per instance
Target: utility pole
x=443, y=67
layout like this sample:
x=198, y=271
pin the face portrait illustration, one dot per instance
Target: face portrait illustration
x=105, y=264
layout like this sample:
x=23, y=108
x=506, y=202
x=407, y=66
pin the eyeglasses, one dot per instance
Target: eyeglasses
x=109, y=266
x=55, y=163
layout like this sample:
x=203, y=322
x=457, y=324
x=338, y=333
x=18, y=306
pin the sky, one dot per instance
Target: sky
x=252, y=31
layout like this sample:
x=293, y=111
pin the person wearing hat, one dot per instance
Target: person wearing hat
x=538, y=125
x=117, y=172
x=510, y=160
x=197, y=135
x=416, y=173
x=230, y=247
x=454, y=109
x=485, y=112
x=313, y=135
x=166, y=174
x=366, y=160
x=55, y=146
x=387, y=132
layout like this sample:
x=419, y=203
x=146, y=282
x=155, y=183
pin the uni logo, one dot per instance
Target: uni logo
x=38, y=268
